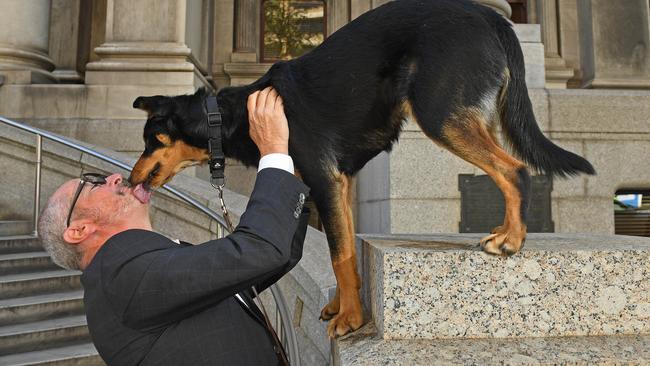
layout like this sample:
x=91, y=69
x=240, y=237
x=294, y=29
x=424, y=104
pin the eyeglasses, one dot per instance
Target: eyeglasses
x=93, y=178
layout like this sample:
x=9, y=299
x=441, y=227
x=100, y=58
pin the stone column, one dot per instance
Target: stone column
x=143, y=52
x=614, y=40
x=24, y=41
x=557, y=73
x=244, y=67
x=70, y=38
x=247, y=25
x=569, y=39
x=144, y=43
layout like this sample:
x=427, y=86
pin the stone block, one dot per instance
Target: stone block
x=603, y=111
x=364, y=347
x=419, y=216
x=444, y=286
x=421, y=169
x=585, y=214
x=373, y=182
x=534, y=60
x=373, y=217
x=617, y=165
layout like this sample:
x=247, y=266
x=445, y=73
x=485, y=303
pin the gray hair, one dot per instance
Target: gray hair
x=51, y=226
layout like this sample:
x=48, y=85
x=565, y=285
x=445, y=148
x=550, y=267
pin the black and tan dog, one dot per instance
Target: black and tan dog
x=453, y=66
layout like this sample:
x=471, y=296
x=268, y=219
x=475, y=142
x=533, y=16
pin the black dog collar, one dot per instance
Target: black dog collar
x=217, y=160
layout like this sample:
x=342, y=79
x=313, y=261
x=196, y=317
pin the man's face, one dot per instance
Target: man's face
x=109, y=203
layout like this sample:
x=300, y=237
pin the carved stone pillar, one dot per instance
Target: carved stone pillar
x=24, y=37
x=557, y=72
x=247, y=19
x=144, y=44
x=70, y=38
x=614, y=40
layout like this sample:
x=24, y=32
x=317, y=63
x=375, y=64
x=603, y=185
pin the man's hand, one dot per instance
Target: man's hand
x=268, y=125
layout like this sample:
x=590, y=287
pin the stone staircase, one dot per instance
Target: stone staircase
x=565, y=299
x=41, y=306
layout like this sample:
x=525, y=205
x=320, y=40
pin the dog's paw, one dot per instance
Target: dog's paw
x=503, y=242
x=344, y=323
x=330, y=310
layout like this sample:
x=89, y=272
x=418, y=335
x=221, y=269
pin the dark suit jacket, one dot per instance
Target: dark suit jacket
x=150, y=301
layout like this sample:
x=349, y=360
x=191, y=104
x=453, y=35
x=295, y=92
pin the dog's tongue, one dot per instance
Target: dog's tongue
x=141, y=193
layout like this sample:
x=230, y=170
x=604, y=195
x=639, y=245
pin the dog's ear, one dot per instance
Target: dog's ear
x=156, y=105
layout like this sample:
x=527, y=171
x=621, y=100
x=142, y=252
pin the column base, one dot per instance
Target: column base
x=617, y=83
x=26, y=76
x=557, y=73
x=244, y=73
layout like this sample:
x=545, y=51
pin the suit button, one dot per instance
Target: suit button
x=301, y=198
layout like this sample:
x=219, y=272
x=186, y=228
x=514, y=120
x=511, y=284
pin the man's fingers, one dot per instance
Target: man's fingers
x=261, y=100
x=270, y=100
x=251, y=102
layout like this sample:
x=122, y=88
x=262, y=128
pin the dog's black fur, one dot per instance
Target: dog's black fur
x=345, y=99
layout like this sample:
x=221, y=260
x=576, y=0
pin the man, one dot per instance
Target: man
x=150, y=301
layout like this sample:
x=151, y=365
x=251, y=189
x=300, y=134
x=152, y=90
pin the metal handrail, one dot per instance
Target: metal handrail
x=286, y=330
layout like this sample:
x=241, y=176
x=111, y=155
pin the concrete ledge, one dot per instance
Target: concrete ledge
x=444, y=286
x=364, y=347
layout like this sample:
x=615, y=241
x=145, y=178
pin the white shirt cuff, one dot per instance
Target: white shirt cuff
x=276, y=160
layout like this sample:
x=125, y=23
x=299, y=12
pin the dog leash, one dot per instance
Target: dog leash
x=217, y=160
x=217, y=163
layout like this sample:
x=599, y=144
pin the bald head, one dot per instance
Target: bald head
x=51, y=225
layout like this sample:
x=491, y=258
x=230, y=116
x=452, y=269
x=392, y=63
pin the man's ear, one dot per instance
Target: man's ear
x=156, y=105
x=78, y=231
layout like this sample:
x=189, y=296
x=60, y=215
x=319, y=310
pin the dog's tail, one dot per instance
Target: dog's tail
x=518, y=121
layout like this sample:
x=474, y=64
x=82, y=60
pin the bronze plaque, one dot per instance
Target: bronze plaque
x=483, y=207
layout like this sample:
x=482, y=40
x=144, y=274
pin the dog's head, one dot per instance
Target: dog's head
x=174, y=137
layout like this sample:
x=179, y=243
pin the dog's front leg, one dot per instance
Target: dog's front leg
x=344, y=311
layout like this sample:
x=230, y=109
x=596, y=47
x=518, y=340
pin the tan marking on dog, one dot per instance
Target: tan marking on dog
x=347, y=305
x=172, y=159
x=466, y=134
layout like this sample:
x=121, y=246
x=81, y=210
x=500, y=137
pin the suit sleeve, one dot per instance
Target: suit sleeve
x=181, y=281
x=294, y=257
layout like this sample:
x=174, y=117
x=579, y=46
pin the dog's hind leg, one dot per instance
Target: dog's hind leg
x=344, y=311
x=467, y=134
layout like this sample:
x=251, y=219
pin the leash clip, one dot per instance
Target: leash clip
x=226, y=214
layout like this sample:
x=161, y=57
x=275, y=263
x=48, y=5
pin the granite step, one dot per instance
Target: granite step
x=32, y=283
x=83, y=354
x=43, y=334
x=444, y=286
x=25, y=262
x=19, y=244
x=15, y=227
x=366, y=347
x=46, y=306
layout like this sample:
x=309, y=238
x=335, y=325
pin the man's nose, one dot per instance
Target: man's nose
x=114, y=179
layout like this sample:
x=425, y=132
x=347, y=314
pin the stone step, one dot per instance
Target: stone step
x=24, y=309
x=83, y=354
x=366, y=347
x=15, y=227
x=25, y=262
x=19, y=244
x=32, y=283
x=444, y=286
x=43, y=334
